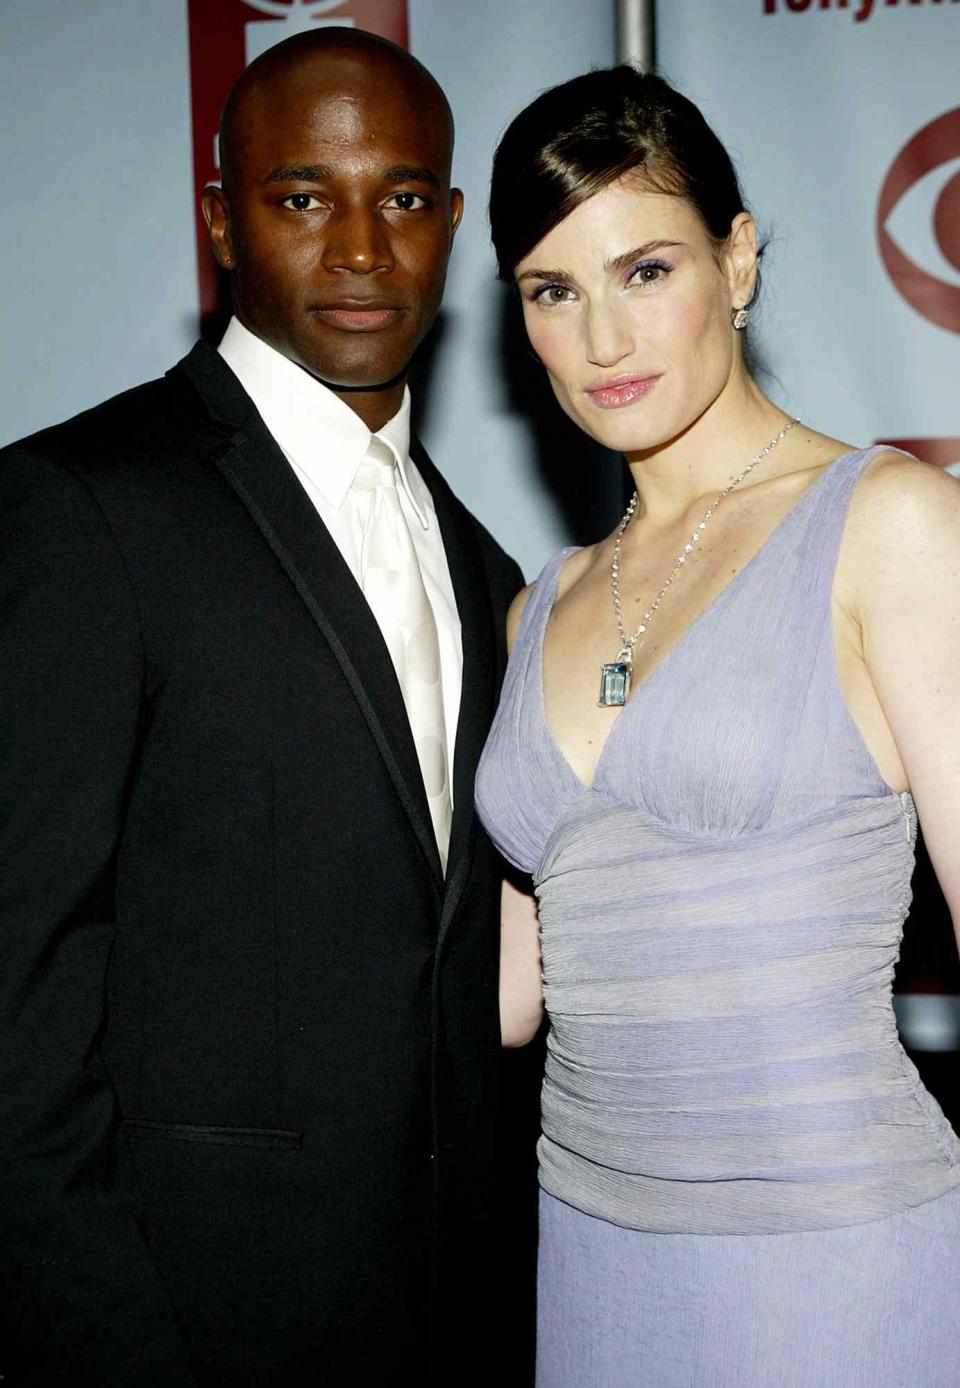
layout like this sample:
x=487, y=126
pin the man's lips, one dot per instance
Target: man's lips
x=359, y=315
x=617, y=391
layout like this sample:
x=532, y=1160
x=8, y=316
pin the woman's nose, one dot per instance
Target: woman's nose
x=608, y=337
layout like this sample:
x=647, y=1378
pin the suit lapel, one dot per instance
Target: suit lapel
x=256, y=469
x=472, y=591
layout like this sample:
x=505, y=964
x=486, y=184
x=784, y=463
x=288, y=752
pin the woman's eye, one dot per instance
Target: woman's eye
x=406, y=202
x=553, y=294
x=302, y=202
x=649, y=272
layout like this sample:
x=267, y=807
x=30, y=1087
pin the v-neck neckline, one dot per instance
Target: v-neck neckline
x=640, y=689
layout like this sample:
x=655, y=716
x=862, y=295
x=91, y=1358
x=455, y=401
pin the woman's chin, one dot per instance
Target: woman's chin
x=623, y=431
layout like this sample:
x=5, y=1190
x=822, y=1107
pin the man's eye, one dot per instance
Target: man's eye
x=302, y=202
x=406, y=202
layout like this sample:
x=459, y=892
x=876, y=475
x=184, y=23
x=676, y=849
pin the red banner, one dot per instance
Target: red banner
x=943, y=453
x=226, y=35
x=937, y=143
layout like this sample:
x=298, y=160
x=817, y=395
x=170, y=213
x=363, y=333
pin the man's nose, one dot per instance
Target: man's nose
x=357, y=241
x=608, y=338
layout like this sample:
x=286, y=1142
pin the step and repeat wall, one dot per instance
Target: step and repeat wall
x=844, y=119
x=110, y=111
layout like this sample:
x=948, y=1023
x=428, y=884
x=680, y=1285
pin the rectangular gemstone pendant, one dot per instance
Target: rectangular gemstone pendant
x=614, y=684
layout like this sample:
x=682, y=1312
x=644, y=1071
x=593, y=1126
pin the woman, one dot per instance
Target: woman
x=713, y=730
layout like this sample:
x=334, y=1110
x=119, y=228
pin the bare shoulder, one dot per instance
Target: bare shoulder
x=574, y=568
x=904, y=517
x=571, y=570
x=900, y=497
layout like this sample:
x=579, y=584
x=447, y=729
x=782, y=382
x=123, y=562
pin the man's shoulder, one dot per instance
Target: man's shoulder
x=503, y=573
x=136, y=423
x=495, y=556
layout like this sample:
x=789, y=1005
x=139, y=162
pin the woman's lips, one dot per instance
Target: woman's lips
x=359, y=318
x=621, y=390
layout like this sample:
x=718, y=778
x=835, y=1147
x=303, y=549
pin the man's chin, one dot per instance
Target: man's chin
x=366, y=381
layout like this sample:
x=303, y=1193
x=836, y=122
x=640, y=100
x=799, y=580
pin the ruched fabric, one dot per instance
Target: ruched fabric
x=721, y=914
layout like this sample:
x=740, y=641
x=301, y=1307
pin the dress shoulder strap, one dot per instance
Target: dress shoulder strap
x=816, y=540
x=542, y=593
x=824, y=757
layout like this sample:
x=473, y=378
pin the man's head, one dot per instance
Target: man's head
x=336, y=216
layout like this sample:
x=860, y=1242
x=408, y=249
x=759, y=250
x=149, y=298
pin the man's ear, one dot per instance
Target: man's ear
x=216, y=213
x=456, y=208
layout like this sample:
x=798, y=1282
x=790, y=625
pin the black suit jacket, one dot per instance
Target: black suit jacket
x=248, y=1032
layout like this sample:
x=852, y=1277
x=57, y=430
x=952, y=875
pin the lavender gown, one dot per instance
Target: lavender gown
x=744, y=1183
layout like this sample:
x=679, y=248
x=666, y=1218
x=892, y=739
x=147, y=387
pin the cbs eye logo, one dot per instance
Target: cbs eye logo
x=938, y=143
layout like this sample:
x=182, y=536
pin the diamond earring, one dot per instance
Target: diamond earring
x=741, y=317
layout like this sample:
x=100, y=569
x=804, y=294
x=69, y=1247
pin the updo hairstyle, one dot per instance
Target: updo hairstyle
x=577, y=138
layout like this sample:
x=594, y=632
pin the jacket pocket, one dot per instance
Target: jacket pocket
x=218, y=1137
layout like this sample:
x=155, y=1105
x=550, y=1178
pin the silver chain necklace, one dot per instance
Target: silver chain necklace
x=615, y=676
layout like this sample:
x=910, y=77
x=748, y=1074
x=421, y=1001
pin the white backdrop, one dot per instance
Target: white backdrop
x=96, y=223
x=815, y=104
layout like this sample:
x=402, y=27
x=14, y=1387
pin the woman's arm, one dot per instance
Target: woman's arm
x=521, y=982
x=904, y=561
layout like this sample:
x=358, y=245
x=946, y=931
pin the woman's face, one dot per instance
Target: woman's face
x=628, y=305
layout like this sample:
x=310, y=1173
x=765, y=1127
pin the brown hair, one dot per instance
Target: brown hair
x=581, y=136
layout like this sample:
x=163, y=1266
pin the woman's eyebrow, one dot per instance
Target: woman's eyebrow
x=533, y=274
x=618, y=263
x=623, y=262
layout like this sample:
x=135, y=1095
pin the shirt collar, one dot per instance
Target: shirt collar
x=319, y=434
x=396, y=435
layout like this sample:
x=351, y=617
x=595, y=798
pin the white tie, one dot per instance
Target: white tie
x=393, y=587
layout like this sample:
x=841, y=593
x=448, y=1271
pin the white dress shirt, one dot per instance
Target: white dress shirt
x=324, y=442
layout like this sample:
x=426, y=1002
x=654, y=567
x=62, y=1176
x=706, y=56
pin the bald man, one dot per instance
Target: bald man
x=251, y=646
